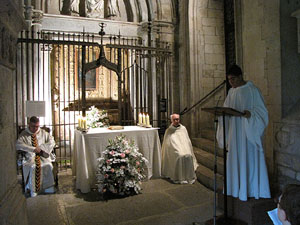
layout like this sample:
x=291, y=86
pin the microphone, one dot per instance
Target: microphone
x=218, y=101
x=183, y=111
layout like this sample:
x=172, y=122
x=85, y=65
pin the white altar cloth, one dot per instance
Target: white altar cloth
x=89, y=146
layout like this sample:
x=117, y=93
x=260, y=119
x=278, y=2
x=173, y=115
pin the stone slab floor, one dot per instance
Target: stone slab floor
x=161, y=203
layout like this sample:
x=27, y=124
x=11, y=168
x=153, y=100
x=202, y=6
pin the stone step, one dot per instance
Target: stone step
x=206, y=177
x=207, y=145
x=207, y=159
x=253, y=211
x=207, y=133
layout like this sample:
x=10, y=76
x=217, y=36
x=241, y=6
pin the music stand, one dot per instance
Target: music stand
x=222, y=111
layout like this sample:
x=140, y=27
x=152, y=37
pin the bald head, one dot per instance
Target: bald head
x=175, y=119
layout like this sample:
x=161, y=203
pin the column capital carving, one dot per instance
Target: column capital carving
x=11, y=16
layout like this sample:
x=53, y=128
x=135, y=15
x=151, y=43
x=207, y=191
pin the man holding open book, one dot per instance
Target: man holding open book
x=247, y=174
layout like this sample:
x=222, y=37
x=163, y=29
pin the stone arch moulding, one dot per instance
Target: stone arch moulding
x=160, y=10
x=130, y=10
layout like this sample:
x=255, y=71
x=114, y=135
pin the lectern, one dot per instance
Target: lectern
x=222, y=111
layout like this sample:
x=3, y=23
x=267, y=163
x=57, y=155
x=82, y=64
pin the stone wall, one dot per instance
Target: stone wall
x=290, y=56
x=12, y=201
x=270, y=60
x=205, y=64
x=287, y=130
x=260, y=46
x=287, y=153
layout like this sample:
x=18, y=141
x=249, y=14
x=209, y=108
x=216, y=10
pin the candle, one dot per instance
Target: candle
x=144, y=119
x=79, y=121
x=84, y=122
x=140, y=118
x=147, y=120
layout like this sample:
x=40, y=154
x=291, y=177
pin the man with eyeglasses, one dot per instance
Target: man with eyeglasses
x=37, y=165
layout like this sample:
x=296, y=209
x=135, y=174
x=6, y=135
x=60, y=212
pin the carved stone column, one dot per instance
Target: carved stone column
x=12, y=201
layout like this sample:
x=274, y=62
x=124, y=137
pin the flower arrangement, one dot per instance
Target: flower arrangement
x=97, y=118
x=121, y=168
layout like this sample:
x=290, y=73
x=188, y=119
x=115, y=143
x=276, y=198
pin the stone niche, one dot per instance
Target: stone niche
x=297, y=15
x=287, y=138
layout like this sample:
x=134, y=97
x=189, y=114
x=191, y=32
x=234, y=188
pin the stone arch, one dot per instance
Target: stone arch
x=128, y=10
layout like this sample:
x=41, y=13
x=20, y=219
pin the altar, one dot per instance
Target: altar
x=90, y=145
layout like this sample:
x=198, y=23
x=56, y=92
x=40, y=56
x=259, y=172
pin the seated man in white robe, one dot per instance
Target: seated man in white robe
x=37, y=165
x=178, y=160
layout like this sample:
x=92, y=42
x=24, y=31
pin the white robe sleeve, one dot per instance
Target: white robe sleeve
x=48, y=142
x=256, y=124
x=23, y=146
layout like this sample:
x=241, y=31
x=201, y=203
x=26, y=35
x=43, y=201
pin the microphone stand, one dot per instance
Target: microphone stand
x=215, y=163
x=215, y=169
x=222, y=220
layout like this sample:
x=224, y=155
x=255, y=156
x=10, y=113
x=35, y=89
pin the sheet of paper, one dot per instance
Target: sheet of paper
x=274, y=217
x=35, y=108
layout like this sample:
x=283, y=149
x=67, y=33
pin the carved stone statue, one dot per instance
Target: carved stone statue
x=111, y=8
x=74, y=6
x=95, y=8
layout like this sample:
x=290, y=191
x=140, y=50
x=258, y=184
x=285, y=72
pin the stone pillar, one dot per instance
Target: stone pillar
x=181, y=77
x=286, y=151
x=297, y=15
x=201, y=58
x=12, y=200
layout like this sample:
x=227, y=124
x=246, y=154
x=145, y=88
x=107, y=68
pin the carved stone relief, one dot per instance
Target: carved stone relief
x=102, y=8
x=111, y=8
x=95, y=8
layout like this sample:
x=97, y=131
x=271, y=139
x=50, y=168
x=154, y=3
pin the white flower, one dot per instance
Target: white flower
x=96, y=118
x=118, y=172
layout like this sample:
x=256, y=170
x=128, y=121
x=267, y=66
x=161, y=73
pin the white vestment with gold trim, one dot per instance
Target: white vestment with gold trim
x=46, y=144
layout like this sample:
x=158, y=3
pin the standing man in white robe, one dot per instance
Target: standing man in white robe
x=247, y=174
x=38, y=145
x=178, y=160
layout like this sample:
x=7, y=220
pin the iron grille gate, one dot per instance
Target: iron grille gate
x=49, y=69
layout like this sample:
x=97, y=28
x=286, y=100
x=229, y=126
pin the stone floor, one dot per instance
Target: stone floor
x=161, y=203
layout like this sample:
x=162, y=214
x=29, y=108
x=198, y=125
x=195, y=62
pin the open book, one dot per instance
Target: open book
x=219, y=111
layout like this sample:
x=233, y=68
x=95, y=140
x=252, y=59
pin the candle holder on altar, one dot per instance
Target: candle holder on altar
x=84, y=130
x=82, y=124
x=144, y=120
